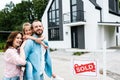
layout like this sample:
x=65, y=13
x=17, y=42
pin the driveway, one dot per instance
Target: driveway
x=61, y=60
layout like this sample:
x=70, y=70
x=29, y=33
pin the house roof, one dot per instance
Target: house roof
x=95, y=4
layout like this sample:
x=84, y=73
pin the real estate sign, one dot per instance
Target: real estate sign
x=85, y=67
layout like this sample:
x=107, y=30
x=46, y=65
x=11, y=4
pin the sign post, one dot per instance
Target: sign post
x=104, y=60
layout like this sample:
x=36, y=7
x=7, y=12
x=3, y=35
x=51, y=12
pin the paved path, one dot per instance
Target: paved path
x=1, y=66
x=62, y=65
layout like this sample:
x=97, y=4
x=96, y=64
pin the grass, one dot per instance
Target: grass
x=79, y=53
x=2, y=44
x=1, y=50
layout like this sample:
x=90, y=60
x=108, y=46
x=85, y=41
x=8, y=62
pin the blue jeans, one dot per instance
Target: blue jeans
x=12, y=78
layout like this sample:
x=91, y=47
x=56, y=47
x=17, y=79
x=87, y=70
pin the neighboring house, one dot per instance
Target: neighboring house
x=83, y=24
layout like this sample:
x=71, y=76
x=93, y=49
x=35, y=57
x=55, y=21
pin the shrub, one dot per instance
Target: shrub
x=52, y=49
x=2, y=45
x=78, y=53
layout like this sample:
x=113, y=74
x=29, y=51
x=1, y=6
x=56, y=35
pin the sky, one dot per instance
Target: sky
x=4, y=2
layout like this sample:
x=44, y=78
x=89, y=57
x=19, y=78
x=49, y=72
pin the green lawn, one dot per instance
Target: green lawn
x=1, y=50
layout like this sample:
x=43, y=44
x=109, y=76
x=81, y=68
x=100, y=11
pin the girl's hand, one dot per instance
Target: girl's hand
x=27, y=37
x=38, y=40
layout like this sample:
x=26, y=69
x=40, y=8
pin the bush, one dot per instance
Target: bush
x=53, y=49
x=2, y=45
x=78, y=53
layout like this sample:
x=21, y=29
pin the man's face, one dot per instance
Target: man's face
x=38, y=28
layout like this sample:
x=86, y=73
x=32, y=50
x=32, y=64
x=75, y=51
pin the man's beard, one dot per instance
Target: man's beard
x=38, y=34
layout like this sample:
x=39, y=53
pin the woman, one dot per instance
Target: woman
x=12, y=58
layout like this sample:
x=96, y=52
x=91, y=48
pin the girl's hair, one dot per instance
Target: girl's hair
x=11, y=38
x=24, y=25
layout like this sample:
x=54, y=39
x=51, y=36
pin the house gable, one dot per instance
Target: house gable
x=95, y=4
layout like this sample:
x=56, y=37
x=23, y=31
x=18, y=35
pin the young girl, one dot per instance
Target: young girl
x=27, y=31
x=12, y=57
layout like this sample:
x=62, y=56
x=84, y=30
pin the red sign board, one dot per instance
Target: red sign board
x=84, y=67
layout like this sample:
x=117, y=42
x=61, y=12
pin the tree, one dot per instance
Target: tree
x=21, y=13
x=13, y=16
x=10, y=6
x=39, y=7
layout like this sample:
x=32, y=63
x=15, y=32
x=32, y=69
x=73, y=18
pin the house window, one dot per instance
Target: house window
x=53, y=34
x=114, y=6
x=54, y=14
x=54, y=19
x=77, y=13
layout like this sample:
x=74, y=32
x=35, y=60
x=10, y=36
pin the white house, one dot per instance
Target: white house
x=83, y=24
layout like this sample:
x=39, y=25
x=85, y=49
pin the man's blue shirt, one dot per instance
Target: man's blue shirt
x=33, y=55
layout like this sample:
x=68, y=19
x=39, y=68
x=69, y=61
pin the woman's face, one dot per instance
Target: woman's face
x=28, y=30
x=17, y=41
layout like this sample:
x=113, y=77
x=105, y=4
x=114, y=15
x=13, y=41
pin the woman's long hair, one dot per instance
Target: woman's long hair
x=10, y=39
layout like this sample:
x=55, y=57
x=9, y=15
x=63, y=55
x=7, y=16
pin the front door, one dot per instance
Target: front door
x=74, y=37
x=77, y=37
